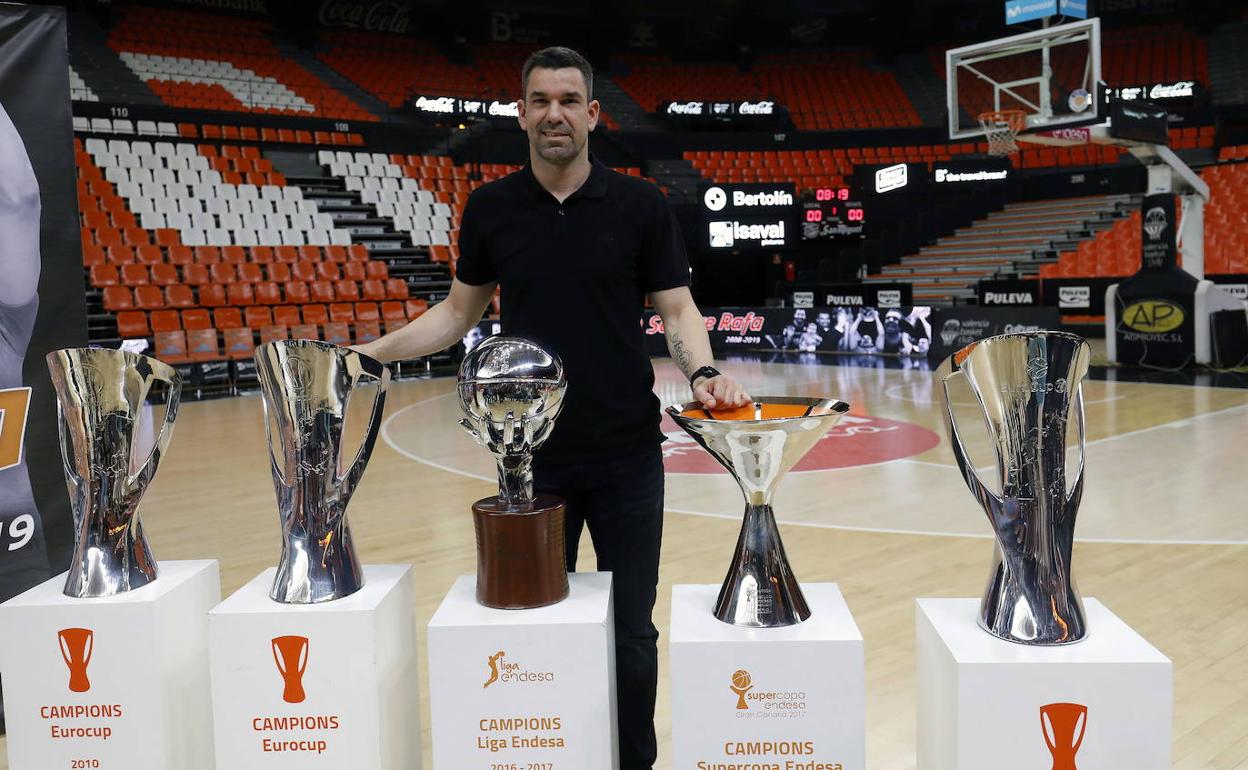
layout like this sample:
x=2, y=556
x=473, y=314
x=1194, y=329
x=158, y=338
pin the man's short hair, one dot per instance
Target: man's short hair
x=557, y=57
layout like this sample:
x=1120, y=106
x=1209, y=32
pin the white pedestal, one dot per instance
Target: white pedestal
x=116, y=683
x=980, y=699
x=552, y=705
x=746, y=696
x=331, y=685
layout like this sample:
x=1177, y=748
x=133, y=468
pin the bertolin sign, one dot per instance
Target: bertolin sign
x=744, y=216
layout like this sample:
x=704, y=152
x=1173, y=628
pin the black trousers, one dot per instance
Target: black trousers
x=621, y=500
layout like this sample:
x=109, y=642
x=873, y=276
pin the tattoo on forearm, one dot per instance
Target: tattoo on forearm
x=684, y=359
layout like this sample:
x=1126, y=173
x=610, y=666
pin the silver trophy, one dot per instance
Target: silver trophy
x=511, y=390
x=306, y=387
x=758, y=444
x=1027, y=386
x=100, y=395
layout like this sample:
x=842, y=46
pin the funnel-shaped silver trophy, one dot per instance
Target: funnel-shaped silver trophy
x=306, y=387
x=758, y=444
x=1027, y=386
x=511, y=390
x=100, y=395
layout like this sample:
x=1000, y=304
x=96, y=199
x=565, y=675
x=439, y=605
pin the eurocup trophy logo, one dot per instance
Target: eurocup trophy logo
x=290, y=654
x=77, y=644
x=493, y=664
x=742, y=683
x=1064, y=725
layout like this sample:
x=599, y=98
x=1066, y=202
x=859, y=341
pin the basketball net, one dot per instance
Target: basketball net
x=1001, y=129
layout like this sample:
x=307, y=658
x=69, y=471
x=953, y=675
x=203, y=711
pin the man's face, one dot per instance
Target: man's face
x=557, y=115
x=824, y=320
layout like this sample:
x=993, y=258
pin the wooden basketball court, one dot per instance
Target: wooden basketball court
x=879, y=509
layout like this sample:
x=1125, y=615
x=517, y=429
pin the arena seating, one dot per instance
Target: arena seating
x=127, y=127
x=824, y=90
x=160, y=283
x=78, y=89
x=204, y=61
x=1012, y=241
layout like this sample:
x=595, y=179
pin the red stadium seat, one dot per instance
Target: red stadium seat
x=377, y=270
x=207, y=255
x=396, y=288
x=286, y=315
x=92, y=255
x=367, y=331
x=268, y=293
x=132, y=323
x=357, y=251
x=304, y=332
x=227, y=318
x=415, y=308
x=195, y=275
x=315, y=314
x=337, y=333
x=393, y=311
x=336, y=253
x=223, y=273
x=257, y=317
x=341, y=312
x=212, y=295
x=286, y=254
x=308, y=253
x=233, y=255
x=327, y=271
x=149, y=297
x=263, y=255
x=354, y=271
x=105, y=275
x=296, y=292
x=196, y=319
x=239, y=294
x=239, y=343
x=118, y=298
x=303, y=271
x=347, y=291
x=149, y=254
x=250, y=273
x=278, y=272
x=135, y=275
x=272, y=333
x=171, y=346
x=374, y=290
x=367, y=311
x=202, y=345
x=322, y=291
x=165, y=321
x=180, y=295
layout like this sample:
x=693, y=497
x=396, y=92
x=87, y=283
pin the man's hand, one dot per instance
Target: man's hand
x=720, y=392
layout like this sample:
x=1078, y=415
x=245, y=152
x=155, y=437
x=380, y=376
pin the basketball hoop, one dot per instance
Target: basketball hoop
x=1001, y=129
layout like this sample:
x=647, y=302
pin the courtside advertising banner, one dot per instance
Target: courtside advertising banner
x=42, y=301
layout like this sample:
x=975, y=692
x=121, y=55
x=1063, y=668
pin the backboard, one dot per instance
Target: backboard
x=1053, y=75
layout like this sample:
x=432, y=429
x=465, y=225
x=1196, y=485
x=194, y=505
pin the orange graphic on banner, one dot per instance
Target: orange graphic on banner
x=14, y=406
x=1064, y=725
x=493, y=664
x=77, y=644
x=741, y=684
x=290, y=653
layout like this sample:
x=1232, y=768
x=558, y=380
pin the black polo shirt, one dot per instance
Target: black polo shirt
x=574, y=276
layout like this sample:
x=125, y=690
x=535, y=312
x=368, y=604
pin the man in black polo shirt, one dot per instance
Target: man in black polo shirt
x=576, y=249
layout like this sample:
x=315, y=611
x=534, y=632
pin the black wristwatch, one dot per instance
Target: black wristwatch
x=706, y=371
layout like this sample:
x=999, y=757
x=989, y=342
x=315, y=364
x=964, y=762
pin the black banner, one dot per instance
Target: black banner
x=42, y=299
x=749, y=217
x=855, y=295
x=953, y=328
x=1141, y=121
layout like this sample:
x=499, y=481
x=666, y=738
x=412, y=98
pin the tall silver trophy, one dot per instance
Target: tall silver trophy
x=511, y=390
x=758, y=444
x=1027, y=387
x=306, y=387
x=100, y=396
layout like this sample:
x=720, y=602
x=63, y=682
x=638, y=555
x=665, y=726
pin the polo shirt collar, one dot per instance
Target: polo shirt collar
x=595, y=186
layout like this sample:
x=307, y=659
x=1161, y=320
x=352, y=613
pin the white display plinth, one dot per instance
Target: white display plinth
x=524, y=688
x=331, y=685
x=116, y=683
x=767, y=696
x=985, y=704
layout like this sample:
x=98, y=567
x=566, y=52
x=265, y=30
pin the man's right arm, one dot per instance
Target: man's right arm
x=442, y=326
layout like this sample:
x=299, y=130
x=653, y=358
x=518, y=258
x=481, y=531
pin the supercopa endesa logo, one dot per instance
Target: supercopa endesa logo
x=856, y=440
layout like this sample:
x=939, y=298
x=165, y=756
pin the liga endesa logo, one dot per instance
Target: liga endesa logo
x=765, y=704
x=856, y=440
x=502, y=671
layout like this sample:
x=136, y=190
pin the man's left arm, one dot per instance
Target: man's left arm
x=690, y=347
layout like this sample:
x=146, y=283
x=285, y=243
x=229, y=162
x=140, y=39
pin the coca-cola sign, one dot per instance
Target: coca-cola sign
x=374, y=16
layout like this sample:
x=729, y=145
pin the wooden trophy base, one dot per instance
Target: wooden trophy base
x=521, y=561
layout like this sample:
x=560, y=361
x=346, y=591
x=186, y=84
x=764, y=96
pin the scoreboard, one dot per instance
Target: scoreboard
x=833, y=212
